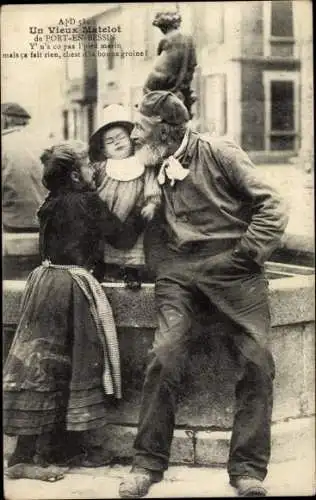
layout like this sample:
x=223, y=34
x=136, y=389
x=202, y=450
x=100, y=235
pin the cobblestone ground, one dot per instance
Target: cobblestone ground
x=295, y=478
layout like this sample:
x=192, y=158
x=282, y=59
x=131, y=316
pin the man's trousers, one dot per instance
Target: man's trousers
x=238, y=289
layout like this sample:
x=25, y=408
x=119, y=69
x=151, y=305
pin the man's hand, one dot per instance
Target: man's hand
x=148, y=211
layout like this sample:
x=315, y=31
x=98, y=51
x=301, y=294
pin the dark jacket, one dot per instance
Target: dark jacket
x=75, y=224
x=224, y=197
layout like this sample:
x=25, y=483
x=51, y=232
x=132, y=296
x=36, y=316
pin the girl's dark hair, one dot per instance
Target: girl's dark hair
x=96, y=148
x=59, y=161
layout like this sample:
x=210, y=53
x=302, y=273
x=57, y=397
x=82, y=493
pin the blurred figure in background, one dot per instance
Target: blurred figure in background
x=174, y=67
x=22, y=189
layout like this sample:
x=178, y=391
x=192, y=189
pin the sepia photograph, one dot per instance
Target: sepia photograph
x=158, y=251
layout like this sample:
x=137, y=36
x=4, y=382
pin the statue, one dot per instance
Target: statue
x=175, y=64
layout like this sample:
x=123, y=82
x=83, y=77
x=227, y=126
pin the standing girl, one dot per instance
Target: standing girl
x=64, y=359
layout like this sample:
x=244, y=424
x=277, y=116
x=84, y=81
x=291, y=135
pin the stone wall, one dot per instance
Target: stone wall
x=206, y=405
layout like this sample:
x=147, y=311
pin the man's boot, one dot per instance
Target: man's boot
x=138, y=482
x=249, y=487
x=60, y=447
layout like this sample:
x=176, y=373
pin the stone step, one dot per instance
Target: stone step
x=293, y=439
x=207, y=392
x=285, y=479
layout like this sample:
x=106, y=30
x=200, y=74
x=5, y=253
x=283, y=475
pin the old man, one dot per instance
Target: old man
x=220, y=223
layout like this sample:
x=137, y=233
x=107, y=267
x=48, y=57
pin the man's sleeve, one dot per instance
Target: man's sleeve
x=269, y=211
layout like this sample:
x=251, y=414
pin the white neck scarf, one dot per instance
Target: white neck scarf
x=171, y=167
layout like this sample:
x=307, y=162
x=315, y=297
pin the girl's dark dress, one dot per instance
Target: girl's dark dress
x=54, y=374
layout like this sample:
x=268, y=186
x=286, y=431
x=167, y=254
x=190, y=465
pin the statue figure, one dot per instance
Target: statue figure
x=174, y=66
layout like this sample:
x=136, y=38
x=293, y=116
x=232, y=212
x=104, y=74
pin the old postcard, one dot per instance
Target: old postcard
x=158, y=209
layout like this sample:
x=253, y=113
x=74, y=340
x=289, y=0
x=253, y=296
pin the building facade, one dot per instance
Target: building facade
x=249, y=79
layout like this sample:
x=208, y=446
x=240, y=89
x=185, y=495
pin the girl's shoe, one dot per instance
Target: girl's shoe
x=24, y=451
x=50, y=473
x=96, y=457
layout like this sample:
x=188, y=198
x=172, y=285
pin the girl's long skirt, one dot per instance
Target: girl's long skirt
x=53, y=373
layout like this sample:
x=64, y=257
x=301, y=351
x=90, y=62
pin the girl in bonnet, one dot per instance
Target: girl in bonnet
x=124, y=184
x=64, y=360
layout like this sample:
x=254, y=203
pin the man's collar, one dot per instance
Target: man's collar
x=186, y=150
x=181, y=149
x=176, y=166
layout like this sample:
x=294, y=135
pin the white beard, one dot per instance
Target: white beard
x=151, y=155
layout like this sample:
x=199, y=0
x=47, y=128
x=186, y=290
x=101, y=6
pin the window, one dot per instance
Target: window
x=152, y=34
x=74, y=67
x=281, y=18
x=281, y=106
x=214, y=26
x=75, y=130
x=142, y=31
x=90, y=112
x=111, y=52
x=185, y=9
x=215, y=104
x=65, y=125
x=279, y=28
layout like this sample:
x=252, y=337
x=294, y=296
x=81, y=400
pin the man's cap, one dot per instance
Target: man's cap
x=13, y=109
x=165, y=105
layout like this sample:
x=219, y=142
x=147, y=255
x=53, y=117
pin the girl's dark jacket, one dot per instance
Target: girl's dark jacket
x=75, y=224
